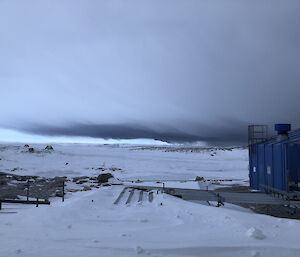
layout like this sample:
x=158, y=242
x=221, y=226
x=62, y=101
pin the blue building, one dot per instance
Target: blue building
x=274, y=162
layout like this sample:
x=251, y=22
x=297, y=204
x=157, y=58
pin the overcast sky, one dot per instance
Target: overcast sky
x=181, y=70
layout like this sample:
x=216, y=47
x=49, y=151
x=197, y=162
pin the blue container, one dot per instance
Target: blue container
x=282, y=128
x=253, y=174
x=279, y=171
x=261, y=165
x=276, y=163
x=268, y=170
x=293, y=165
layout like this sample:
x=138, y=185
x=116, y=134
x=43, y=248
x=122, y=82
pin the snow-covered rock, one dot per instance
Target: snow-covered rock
x=139, y=250
x=255, y=233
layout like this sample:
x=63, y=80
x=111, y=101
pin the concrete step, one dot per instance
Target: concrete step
x=131, y=195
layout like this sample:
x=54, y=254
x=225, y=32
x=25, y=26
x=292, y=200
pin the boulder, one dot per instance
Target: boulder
x=103, y=178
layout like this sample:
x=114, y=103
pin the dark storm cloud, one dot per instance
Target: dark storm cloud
x=175, y=70
x=119, y=131
x=222, y=135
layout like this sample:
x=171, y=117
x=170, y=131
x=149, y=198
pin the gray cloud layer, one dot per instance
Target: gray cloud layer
x=172, y=69
x=210, y=134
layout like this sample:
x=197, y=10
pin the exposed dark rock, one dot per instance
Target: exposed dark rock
x=49, y=147
x=81, y=181
x=75, y=179
x=103, y=178
x=22, y=178
x=59, y=193
x=60, y=178
x=3, y=181
x=199, y=178
x=106, y=185
x=86, y=188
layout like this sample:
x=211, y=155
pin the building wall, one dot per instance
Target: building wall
x=275, y=164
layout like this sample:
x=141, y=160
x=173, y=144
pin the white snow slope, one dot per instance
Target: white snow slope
x=166, y=227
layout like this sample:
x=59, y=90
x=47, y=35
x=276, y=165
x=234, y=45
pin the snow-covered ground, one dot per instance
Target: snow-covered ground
x=89, y=224
x=135, y=162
